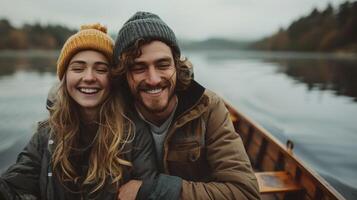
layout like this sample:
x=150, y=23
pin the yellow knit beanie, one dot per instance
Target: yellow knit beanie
x=89, y=37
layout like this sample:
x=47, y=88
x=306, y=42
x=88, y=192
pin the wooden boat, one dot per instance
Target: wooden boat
x=280, y=174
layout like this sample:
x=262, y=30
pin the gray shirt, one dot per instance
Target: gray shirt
x=159, y=134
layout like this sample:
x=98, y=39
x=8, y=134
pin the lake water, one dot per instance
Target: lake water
x=310, y=99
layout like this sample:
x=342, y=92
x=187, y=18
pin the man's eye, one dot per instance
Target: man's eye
x=164, y=65
x=137, y=68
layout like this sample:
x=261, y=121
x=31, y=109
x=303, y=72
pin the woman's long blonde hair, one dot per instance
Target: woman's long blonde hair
x=114, y=130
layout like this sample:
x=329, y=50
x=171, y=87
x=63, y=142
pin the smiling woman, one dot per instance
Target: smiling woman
x=87, y=81
x=87, y=148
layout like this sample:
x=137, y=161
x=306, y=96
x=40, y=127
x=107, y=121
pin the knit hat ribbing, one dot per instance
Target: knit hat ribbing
x=147, y=26
x=89, y=37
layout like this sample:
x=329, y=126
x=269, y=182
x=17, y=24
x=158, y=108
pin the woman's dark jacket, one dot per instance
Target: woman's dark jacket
x=31, y=176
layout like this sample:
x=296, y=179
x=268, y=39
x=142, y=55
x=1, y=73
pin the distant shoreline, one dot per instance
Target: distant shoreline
x=30, y=52
x=53, y=53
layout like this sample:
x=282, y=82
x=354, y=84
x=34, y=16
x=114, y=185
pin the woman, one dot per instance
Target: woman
x=88, y=147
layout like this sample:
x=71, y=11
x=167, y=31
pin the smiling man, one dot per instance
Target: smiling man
x=199, y=154
x=151, y=81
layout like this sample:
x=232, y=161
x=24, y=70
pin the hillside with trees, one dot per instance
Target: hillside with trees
x=329, y=30
x=32, y=36
x=215, y=44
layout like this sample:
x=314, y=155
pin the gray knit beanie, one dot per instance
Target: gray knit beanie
x=147, y=26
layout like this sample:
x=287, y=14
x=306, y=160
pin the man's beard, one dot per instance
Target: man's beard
x=164, y=84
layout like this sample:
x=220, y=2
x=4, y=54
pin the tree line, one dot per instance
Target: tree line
x=34, y=36
x=332, y=29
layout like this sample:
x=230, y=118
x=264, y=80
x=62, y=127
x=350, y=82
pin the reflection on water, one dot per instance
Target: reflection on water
x=41, y=62
x=337, y=75
x=319, y=71
x=308, y=98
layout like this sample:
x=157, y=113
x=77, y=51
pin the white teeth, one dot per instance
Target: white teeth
x=88, y=90
x=154, y=91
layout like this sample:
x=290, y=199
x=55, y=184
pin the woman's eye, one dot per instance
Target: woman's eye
x=76, y=68
x=102, y=70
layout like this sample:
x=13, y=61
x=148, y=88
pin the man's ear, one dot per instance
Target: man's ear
x=186, y=67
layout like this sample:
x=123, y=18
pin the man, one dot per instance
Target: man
x=198, y=151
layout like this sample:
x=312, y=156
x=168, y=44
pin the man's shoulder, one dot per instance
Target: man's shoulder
x=212, y=97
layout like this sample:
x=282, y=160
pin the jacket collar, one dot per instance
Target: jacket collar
x=188, y=98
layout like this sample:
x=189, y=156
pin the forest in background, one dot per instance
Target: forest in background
x=329, y=30
x=34, y=36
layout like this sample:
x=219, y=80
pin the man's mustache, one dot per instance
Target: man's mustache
x=144, y=86
x=164, y=83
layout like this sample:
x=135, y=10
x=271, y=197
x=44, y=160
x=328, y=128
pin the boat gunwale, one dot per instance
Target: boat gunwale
x=283, y=149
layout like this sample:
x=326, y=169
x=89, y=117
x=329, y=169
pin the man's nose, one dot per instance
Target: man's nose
x=153, y=76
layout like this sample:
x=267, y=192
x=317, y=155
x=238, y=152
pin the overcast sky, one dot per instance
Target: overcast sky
x=190, y=19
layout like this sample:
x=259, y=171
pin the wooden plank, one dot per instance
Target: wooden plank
x=268, y=164
x=308, y=184
x=291, y=167
x=276, y=182
x=273, y=151
x=253, y=152
x=243, y=127
x=261, y=154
